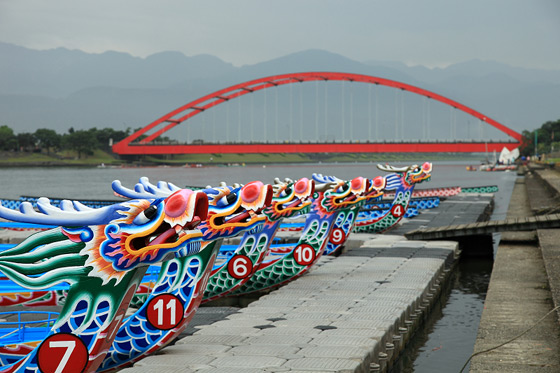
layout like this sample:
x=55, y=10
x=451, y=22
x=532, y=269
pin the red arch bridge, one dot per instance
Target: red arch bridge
x=142, y=141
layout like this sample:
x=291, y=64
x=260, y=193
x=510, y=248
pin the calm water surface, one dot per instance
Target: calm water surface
x=449, y=336
x=95, y=183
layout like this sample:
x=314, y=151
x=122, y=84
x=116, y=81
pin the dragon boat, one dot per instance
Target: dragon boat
x=182, y=281
x=103, y=254
x=328, y=200
x=433, y=192
x=345, y=218
x=403, y=181
x=239, y=262
x=420, y=203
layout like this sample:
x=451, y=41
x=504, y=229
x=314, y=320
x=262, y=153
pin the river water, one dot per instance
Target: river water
x=447, y=340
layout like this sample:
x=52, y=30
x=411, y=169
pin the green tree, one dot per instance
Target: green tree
x=8, y=141
x=107, y=135
x=83, y=142
x=26, y=141
x=547, y=137
x=47, y=139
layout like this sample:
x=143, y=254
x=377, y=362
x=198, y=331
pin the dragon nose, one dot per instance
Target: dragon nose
x=251, y=191
x=357, y=183
x=378, y=181
x=301, y=185
x=177, y=203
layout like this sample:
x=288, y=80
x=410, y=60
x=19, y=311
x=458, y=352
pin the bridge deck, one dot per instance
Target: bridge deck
x=486, y=228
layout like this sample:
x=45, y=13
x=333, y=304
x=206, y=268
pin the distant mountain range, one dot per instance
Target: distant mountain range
x=63, y=88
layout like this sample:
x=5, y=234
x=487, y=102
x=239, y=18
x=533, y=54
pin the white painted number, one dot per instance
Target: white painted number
x=116, y=328
x=62, y=353
x=69, y=345
x=171, y=304
x=397, y=211
x=165, y=311
x=337, y=236
x=240, y=266
x=304, y=255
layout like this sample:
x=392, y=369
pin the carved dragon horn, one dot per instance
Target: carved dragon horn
x=389, y=168
x=320, y=178
x=145, y=189
x=70, y=213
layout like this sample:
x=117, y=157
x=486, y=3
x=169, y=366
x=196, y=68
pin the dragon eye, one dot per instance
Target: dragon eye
x=146, y=215
x=343, y=188
x=230, y=198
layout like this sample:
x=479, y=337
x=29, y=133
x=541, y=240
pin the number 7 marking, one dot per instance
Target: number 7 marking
x=69, y=345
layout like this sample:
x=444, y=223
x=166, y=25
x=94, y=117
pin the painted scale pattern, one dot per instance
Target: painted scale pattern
x=342, y=225
x=480, y=189
x=104, y=258
x=318, y=227
x=137, y=336
x=254, y=247
x=287, y=268
x=385, y=222
x=290, y=199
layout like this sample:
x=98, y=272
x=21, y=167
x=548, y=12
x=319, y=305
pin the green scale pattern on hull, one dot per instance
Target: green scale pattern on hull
x=222, y=281
x=388, y=220
x=287, y=268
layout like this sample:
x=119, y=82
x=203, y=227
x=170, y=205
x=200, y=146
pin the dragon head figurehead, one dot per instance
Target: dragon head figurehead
x=406, y=176
x=231, y=209
x=336, y=194
x=107, y=242
x=234, y=209
x=98, y=251
x=290, y=198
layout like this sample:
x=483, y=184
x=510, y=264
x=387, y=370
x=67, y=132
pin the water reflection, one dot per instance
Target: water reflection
x=447, y=339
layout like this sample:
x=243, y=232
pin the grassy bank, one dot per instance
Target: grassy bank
x=68, y=159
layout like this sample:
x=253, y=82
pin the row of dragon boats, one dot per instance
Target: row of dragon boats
x=162, y=252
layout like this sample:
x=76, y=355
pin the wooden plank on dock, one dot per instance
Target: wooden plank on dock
x=485, y=228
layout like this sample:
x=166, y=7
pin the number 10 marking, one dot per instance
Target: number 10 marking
x=304, y=255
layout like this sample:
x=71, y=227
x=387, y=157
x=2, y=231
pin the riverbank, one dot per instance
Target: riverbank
x=104, y=159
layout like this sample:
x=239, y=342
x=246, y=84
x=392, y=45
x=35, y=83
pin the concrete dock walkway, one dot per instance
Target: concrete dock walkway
x=353, y=313
x=519, y=294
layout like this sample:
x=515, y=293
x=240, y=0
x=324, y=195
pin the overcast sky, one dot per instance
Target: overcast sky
x=523, y=33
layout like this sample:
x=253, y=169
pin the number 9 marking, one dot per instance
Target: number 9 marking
x=337, y=236
x=62, y=353
x=165, y=311
x=304, y=255
x=240, y=267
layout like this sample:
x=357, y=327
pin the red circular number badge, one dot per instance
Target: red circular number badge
x=397, y=211
x=240, y=267
x=62, y=353
x=338, y=236
x=304, y=255
x=165, y=311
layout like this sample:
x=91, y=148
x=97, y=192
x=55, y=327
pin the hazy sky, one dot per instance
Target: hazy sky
x=523, y=33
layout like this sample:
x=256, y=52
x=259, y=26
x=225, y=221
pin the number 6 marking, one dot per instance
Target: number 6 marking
x=74, y=358
x=240, y=267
